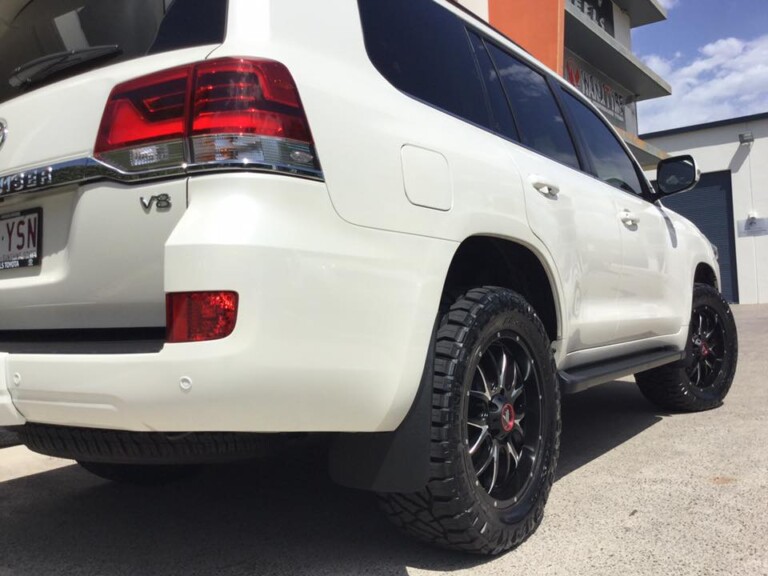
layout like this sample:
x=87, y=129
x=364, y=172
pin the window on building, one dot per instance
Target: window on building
x=610, y=161
x=535, y=110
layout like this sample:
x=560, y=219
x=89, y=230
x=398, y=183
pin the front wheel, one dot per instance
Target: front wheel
x=495, y=428
x=702, y=379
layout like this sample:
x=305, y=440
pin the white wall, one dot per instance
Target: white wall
x=718, y=149
x=479, y=7
x=622, y=27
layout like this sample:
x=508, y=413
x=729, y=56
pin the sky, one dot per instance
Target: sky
x=714, y=53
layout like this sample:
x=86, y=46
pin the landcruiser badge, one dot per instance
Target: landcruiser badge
x=3, y=132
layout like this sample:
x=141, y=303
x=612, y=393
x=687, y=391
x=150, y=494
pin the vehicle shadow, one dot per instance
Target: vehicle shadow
x=278, y=515
x=599, y=419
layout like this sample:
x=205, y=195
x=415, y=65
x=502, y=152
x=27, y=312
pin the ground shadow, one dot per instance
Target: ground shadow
x=279, y=515
x=599, y=419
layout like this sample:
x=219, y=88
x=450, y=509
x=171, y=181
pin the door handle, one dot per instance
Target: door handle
x=629, y=219
x=546, y=188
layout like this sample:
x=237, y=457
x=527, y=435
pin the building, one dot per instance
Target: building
x=730, y=204
x=588, y=42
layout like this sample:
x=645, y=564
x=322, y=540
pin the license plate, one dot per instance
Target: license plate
x=21, y=237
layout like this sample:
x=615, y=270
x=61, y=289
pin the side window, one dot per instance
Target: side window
x=610, y=160
x=538, y=117
x=423, y=49
x=502, y=121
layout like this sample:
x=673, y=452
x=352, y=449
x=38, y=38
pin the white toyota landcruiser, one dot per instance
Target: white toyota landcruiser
x=225, y=222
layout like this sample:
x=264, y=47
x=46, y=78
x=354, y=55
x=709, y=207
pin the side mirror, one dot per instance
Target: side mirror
x=677, y=174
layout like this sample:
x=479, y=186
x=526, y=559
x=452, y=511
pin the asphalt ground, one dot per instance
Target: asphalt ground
x=639, y=492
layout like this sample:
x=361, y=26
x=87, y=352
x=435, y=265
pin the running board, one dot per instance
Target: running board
x=580, y=378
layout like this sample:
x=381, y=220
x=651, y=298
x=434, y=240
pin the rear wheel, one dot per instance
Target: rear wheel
x=495, y=428
x=702, y=379
x=139, y=474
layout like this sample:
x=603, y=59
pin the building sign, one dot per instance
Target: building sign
x=599, y=11
x=611, y=101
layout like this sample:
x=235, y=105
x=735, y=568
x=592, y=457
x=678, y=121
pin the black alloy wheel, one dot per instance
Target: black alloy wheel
x=504, y=418
x=702, y=379
x=495, y=428
x=708, y=350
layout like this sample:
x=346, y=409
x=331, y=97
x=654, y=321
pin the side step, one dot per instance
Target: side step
x=580, y=378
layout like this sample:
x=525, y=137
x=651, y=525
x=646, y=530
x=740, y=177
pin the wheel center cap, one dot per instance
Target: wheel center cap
x=507, y=417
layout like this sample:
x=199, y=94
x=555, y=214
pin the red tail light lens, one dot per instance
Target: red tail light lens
x=227, y=111
x=200, y=316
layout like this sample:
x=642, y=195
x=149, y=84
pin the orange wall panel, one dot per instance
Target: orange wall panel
x=538, y=26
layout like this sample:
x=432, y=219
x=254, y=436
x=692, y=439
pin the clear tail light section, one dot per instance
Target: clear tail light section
x=200, y=316
x=216, y=114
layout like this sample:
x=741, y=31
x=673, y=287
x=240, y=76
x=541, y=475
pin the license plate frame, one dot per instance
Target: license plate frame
x=21, y=245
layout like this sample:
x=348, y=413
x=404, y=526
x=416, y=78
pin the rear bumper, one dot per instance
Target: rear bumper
x=9, y=415
x=333, y=325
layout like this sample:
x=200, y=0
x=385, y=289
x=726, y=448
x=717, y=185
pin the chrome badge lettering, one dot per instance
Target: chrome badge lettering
x=162, y=202
x=26, y=181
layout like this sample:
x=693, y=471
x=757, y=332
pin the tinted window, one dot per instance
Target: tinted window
x=39, y=28
x=609, y=159
x=501, y=115
x=423, y=49
x=535, y=110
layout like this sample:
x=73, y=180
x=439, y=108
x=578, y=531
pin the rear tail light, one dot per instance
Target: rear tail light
x=229, y=112
x=200, y=316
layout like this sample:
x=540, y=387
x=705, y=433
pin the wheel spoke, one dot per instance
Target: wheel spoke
x=480, y=395
x=485, y=383
x=513, y=452
x=516, y=392
x=502, y=370
x=480, y=439
x=485, y=465
x=697, y=371
x=715, y=324
x=495, y=476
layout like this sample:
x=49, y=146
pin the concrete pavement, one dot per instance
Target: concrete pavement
x=639, y=492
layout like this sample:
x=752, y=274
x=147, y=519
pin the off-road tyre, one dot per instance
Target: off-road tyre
x=702, y=379
x=140, y=474
x=455, y=509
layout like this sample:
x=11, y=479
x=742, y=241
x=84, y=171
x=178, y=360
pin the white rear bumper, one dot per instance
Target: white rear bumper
x=333, y=325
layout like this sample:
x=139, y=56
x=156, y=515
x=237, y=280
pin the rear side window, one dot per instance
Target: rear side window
x=101, y=32
x=423, y=49
x=538, y=116
x=610, y=161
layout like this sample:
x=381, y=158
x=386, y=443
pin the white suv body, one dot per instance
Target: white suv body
x=339, y=272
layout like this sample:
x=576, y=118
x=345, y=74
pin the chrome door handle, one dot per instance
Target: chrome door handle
x=629, y=219
x=546, y=188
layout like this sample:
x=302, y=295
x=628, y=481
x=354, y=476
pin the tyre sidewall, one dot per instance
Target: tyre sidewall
x=506, y=313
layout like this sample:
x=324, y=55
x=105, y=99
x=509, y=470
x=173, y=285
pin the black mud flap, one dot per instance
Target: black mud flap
x=395, y=461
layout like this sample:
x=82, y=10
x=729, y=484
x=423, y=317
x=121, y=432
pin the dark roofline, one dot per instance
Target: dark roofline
x=705, y=126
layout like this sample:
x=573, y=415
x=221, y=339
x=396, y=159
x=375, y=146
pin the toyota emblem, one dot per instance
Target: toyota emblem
x=3, y=132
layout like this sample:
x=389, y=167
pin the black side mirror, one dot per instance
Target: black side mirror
x=677, y=174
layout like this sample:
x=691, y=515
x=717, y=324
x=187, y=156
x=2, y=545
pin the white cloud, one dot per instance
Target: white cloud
x=726, y=79
x=669, y=4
